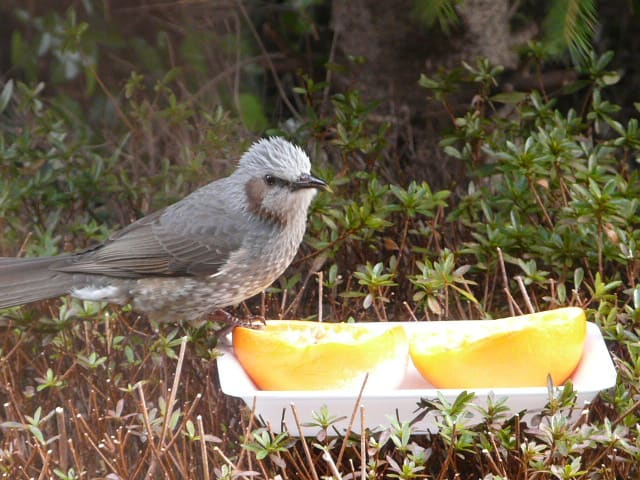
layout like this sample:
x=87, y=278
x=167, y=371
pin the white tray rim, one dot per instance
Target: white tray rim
x=235, y=382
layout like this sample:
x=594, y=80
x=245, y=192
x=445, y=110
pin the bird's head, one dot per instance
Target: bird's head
x=277, y=180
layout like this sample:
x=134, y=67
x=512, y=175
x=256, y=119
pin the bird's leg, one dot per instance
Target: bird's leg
x=232, y=321
x=225, y=317
x=259, y=319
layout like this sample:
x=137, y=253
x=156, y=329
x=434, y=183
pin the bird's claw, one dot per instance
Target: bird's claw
x=231, y=322
x=250, y=322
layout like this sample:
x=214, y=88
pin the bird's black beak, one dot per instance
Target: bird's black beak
x=309, y=181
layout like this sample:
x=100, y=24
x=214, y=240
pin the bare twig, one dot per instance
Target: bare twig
x=147, y=425
x=77, y=461
x=492, y=462
x=45, y=465
x=305, y=447
x=411, y=314
x=325, y=92
x=96, y=448
x=624, y=414
x=5, y=358
x=554, y=295
x=523, y=290
x=326, y=456
x=231, y=70
x=225, y=458
x=272, y=67
x=185, y=418
x=247, y=431
x=63, y=440
x=353, y=417
x=172, y=395
x=236, y=77
x=540, y=203
x=203, y=447
x=315, y=267
x=363, y=443
x=114, y=102
x=512, y=303
x=23, y=247
x=449, y=458
x=500, y=463
x=320, y=280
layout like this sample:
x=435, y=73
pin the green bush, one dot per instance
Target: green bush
x=547, y=203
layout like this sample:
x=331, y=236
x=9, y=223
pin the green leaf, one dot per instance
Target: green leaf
x=468, y=295
x=611, y=78
x=636, y=297
x=37, y=433
x=509, y=97
x=442, y=12
x=452, y=152
x=252, y=112
x=10, y=424
x=427, y=82
x=5, y=95
x=571, y=24
x=434, y=305
x=574, y=87
x=191, y=429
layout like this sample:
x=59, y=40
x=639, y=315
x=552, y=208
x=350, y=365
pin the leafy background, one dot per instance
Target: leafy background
x=472, y=179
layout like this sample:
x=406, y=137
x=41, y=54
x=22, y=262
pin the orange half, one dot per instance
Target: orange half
x=304, y=355
x=512, y=352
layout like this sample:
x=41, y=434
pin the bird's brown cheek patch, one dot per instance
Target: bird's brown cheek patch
x=255, y=190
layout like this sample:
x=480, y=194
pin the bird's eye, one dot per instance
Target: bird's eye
x=270, y=180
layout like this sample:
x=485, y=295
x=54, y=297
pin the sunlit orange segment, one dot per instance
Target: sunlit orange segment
x=511, y=352
x=303, y=355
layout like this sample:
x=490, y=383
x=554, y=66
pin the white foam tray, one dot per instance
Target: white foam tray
x=594, y=373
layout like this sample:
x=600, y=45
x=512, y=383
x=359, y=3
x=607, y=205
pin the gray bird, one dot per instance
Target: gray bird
x=220, y=245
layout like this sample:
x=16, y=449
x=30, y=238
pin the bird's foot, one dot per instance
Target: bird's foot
x=231, y=321
x=256, y=319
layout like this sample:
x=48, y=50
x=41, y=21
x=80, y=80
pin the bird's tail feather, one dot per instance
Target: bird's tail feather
x=25, y=280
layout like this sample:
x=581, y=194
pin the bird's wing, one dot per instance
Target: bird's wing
x=170, y=242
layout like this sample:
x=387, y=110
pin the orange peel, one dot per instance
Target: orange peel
x=511, y=352
x=305, y=355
